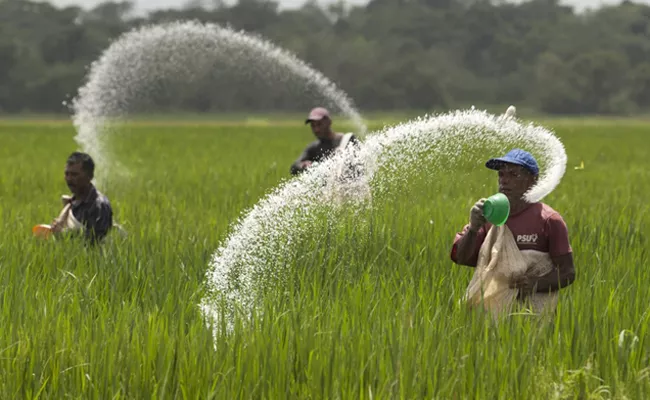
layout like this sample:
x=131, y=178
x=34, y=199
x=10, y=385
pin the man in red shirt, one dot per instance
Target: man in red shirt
x=535, y=226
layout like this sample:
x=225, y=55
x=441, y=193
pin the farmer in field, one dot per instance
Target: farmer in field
x=327, y=141
x=347, y=180
x=535, y=236
x=87, y=212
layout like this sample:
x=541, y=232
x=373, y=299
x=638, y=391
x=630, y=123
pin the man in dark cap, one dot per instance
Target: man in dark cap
x=327, y=141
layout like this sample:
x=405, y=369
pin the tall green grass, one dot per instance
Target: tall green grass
x=370, y=309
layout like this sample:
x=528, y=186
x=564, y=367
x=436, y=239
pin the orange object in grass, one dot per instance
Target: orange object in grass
x=42, y=231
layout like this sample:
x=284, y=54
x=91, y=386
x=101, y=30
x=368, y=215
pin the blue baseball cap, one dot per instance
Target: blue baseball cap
x=517, y=157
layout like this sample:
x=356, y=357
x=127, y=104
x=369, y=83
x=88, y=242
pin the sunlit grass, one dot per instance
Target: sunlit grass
x=371, y=309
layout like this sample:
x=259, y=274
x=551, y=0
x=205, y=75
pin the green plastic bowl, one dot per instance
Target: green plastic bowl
x=496, y=209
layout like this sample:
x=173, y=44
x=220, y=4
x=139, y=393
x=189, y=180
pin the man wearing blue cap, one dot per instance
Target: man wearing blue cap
x=534, y=226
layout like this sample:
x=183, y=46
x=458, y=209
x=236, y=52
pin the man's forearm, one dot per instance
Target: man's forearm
x=466, y=247
x=297, y=167
x=554, y=280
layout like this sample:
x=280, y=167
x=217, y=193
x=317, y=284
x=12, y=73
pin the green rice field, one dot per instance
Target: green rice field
x=370, y=313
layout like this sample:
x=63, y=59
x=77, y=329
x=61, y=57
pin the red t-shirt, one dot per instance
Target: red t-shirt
x=537, y=227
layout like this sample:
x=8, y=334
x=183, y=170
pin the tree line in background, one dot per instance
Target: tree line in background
x=388, y=55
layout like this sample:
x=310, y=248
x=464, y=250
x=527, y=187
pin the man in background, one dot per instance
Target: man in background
x=87, y=211
x=327, y=140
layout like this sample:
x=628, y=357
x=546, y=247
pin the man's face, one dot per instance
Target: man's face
x=514, y=181
x=76, y=178
x=321, y=127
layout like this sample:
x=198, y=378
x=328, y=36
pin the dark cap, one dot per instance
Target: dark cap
x=317, y=114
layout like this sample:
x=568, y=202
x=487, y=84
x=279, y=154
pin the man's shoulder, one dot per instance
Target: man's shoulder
x=353, y=139
x=102, y=200
x=547, y=212
x=539, y=214
x=313, y=145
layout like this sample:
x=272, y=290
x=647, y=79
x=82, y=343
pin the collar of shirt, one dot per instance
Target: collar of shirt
x=327, y=142
x=90, y=198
